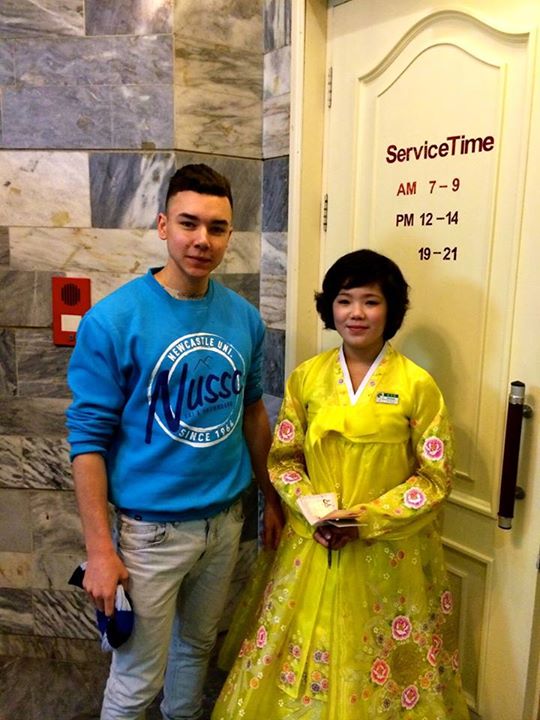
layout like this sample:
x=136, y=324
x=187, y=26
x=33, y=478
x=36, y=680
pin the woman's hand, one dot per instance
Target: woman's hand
x=335, y=538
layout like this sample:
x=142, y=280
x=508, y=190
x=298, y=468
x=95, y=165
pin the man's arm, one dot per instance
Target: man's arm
x=104, y=570
x=259, y=438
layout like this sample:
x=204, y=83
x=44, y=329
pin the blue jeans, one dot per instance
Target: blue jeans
x=179, y=579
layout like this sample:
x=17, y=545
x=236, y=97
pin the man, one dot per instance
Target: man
x=167, y=423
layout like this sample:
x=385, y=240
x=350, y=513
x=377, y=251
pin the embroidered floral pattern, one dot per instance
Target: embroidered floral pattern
x=380, y=671
x=447, y=602
x=286, y=431
x=433, y=448
x=409, y=697
x=262, y=637
x=291, y=477
x=401, y=628
x=414, y=498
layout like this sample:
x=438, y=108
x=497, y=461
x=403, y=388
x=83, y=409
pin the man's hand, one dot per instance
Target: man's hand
x=104, y=572
x=273, y=522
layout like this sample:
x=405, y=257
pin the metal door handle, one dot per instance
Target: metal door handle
x=509, y=489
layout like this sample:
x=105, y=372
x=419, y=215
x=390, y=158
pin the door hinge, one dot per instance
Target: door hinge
x=329, y=88
x=325, y=213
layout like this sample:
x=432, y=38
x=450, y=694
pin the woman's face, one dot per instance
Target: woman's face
x=360, y=318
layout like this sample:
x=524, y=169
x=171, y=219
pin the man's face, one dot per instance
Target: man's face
x=197, y=229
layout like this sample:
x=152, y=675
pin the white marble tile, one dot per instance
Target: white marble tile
x=53, y=570
x=48, y=189
x=15, y=569
x=277, y=72
x=274, y=279
x=243, y=254
x=87, y=251
x=217, y=123
x=56, y=523
x=217, y=99
x=103, y=283
x=31, y=17
x=11, y=453
x=234, y=23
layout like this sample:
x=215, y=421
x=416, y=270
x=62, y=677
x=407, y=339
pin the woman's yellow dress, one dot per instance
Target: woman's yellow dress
x=373, y=635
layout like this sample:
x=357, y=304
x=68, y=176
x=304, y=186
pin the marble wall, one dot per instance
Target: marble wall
x=100, y=101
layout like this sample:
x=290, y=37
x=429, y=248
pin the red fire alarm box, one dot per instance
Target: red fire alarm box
x=70, y=300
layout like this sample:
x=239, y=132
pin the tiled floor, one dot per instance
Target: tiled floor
x=38, y=689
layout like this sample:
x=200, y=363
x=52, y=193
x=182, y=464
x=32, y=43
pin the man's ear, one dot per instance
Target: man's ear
x=162, y=226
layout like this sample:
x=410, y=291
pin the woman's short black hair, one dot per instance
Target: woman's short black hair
x=359, y=268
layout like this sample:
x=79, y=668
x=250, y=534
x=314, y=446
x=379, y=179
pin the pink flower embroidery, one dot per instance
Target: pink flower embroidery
x=286, y=431
x=380, y=671
x=414, y=498
x=262, y=636
x=433, y=448
x=291, y=477
x=434, y=650
x=409, y=697
x=447, y=602
x=401, y=627
x=455, y=660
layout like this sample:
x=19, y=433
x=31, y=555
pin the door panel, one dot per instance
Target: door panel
x=432, y=144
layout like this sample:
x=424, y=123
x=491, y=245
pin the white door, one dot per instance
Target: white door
x=432, y=156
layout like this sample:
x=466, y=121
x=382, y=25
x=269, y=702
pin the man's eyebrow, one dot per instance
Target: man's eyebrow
x=196, y=218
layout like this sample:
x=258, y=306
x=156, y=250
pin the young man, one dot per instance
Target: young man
x=167, y=423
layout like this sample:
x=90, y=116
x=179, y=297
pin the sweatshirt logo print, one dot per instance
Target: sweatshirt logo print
x=195, y=394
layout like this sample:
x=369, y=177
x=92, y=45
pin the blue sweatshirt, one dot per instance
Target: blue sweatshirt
x=159, y=386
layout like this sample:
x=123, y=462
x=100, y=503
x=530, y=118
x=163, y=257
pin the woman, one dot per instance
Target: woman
x=356, y=622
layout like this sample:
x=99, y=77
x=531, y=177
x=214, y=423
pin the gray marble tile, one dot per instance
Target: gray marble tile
x=41, y=366
x=7, y=62
x=11, y=453
x=56, y=523
x=19, y=18
x=8, y=369
x=65, y=614
x=57, y=117
x=232, y=23
x=274, y=279
x=244, y=284
x=142, y=116
x=31, y=417
x=16, y=611
x=25, y=298
x=45, y=464
x=68, y=692
x=245, y=176
x=15, y=687
x=276, y=126
x=127, y=188
x=274, y=362
x=81, y=251
x=15, y=521
x=44, y=189
x=15, y=570
x=277, y=24
x=4, y=245
x=273, y=405
x=94, y=61
x=48, y=648
x=275, y=194
x=130, y=17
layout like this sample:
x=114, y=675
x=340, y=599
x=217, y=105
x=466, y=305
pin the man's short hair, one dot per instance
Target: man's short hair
x=200, y=179
x=359, y=268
